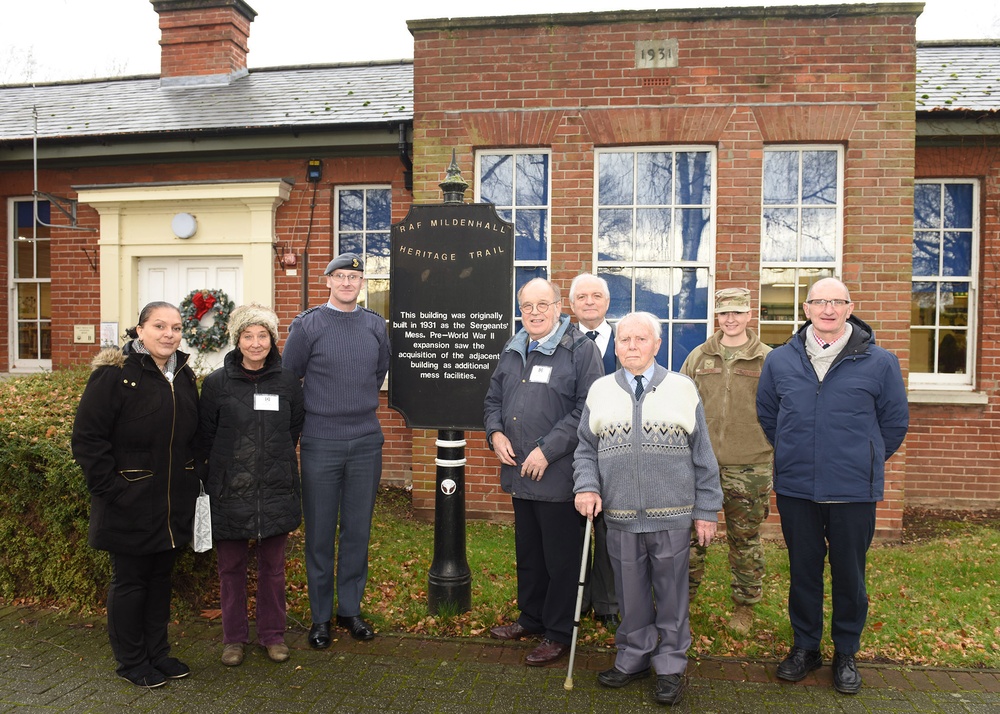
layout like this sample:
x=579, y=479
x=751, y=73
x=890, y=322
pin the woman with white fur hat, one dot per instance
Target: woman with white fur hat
x=250, y=420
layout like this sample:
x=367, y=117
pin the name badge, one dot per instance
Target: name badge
x=541, y=373
x=265, y=402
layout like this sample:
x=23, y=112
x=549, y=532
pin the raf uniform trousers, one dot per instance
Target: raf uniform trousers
x=232, y=556
x=811, y=531
x=339, y=483
x=651, y=575
x=548, y=542
x=139, y=609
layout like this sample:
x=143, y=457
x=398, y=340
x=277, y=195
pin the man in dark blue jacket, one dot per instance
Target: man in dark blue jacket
x=834, y=407
x=531, y=414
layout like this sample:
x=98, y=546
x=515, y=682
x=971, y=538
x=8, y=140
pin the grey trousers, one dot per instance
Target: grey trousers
x=651, y=576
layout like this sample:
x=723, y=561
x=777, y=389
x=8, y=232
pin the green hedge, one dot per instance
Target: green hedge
x=44, y=505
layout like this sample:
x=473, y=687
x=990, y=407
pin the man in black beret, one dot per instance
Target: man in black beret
x=341, y=352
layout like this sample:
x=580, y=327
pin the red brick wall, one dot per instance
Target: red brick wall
x=743, y=81
x=483, y=498
x=205, y=41
x=75, y=285
x=953, y=450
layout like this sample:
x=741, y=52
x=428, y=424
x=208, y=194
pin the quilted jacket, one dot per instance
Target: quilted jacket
x=253, y=473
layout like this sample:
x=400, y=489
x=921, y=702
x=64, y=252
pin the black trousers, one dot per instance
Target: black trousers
x=548, y=540
x=599, y=590
x=139, y=609
x=844, y=531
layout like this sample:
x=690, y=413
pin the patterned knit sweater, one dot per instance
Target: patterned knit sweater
x=651, y=461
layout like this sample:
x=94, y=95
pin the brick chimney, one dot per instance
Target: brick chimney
x=203, y=42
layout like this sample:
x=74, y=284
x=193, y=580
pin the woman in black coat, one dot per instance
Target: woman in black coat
x=134, y=438
x=251, y=418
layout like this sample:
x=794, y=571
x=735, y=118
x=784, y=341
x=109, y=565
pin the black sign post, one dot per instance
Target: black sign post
x=452, y=273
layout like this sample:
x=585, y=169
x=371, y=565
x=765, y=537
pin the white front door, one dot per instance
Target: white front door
x=173, y=279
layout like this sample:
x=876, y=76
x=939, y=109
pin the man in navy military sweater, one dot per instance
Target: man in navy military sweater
x=341, y=352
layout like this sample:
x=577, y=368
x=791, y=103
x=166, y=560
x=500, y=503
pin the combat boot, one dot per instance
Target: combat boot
x=742, y=619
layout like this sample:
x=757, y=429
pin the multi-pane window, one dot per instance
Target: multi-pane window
x=363, y=221
x=655, y=228
x=518, y=184
x=31, y=283
x=802, y=232
x=944, y=270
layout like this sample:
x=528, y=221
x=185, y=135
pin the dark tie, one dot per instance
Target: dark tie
x=532, y=345
x=592, y=334
x=638, y=387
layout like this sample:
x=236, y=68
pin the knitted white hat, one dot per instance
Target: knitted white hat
x=253, y=314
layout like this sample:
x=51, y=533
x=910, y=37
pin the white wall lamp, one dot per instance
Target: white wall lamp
x=184, y=225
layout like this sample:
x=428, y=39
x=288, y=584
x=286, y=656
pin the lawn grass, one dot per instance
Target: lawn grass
x=933, y=602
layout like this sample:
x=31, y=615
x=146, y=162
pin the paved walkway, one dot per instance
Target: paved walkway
x=50, y=662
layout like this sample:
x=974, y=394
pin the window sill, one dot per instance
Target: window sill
x=947, y=396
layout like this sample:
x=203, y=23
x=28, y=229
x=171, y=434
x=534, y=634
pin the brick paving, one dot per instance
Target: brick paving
x=53, y=662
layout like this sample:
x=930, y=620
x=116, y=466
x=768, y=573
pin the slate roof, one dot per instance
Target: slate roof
x=334, y=96
x=958, y=76
x=951, y=76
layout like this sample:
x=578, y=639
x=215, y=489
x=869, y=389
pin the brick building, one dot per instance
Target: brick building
x=952, y=445
x=674, y=152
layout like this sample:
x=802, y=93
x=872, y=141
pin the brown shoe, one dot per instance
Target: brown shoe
x=278, y=652
x=546, y=653
x=742, y=619
x=513, y=631
x=232, y=654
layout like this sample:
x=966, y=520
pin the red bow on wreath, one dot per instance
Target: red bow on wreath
x=203, y=303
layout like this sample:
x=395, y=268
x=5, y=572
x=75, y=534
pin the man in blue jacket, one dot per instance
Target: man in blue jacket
x=834, y=407
x=531, y=414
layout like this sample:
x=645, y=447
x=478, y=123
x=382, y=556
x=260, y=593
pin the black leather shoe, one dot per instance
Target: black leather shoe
x=359, y=629
x=798, y=664
x=610, y=621
x=319, y=635
x=669, y=688
x=172, y=668
x=846, y=678
x=144, y=676
x=616, y=679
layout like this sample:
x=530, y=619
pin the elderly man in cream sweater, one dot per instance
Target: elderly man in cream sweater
x=646, y=460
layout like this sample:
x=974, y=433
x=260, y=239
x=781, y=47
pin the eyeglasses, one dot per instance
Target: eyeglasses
x=824, y=303
x=536, y=307
x=347, y=278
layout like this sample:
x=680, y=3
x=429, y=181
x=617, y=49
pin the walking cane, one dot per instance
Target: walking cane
x=568, y=684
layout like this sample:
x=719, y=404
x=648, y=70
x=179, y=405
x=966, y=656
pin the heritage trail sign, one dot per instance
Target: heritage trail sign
x=452, y=280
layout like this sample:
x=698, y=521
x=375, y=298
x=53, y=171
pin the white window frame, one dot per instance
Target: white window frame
x=803, y=273
x=601, y=266
x=546, y=263
x=370, y=275
x=956, y=382
x=16, y=363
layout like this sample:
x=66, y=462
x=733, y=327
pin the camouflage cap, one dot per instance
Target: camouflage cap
x=732, y=300
x=345, y=261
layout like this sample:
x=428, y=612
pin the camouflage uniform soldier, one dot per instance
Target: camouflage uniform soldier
x=726, y=369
